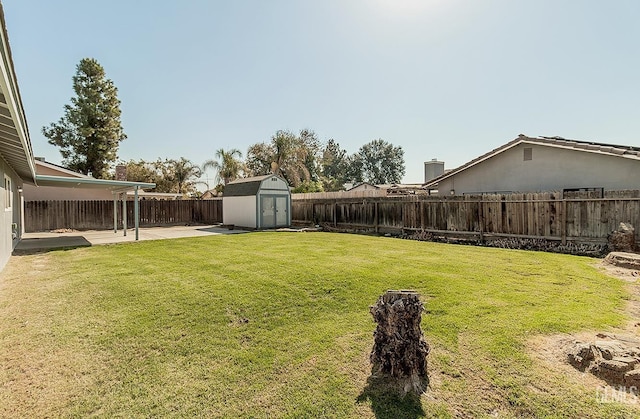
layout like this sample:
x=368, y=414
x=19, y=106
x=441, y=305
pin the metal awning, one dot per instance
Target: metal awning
x=117, y=187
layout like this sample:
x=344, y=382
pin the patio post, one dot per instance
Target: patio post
x=115, y=213
x=136, y=211
x=124, y=212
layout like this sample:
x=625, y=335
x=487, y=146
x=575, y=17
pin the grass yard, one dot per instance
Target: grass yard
x=278, y=325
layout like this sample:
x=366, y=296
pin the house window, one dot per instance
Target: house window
x=8, y=193
x=528, y=154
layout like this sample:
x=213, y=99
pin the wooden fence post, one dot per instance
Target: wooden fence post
x=375, y=216
x=481, y=219
x=563, y=221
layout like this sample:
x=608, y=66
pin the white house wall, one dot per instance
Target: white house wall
x=550, y=168
x=10, y=213
x=240, y=211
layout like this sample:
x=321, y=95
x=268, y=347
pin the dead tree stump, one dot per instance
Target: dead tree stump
x=623, y=239
x=399, y=352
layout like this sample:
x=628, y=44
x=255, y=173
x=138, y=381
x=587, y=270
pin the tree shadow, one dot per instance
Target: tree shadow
x=388, y=401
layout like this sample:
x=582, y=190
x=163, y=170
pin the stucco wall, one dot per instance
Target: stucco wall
x=239, y=210
x=550, y=168
x=9, y=215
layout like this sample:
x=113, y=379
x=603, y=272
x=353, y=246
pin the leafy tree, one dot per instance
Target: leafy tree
x=90, y=131
x=228, y=167
x=309, y=141
x=259, y=158
x=291, y=156
x=140, y=171
x=308, y=186
x=378, y=162
x=334, y=166
x=169, y=175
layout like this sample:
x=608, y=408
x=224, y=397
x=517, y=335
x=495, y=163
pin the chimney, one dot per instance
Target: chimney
x=433, y=169
x=121, y=172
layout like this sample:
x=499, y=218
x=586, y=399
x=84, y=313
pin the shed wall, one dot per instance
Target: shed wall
x=274, y=184
x=240, y=211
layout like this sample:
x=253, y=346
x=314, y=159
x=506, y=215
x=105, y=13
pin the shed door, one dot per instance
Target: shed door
x=267, y=211
x=274, y=211
x=281, y=211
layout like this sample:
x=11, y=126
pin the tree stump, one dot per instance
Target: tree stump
x=623, y=239
x=399, y=352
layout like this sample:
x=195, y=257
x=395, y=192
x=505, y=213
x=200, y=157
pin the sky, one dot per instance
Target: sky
x=443, y=79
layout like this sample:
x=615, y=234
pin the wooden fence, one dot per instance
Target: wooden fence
x=586, y=216
x=98, y=215
x=369, y=193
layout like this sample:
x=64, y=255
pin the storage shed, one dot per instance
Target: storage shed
x=257, y=202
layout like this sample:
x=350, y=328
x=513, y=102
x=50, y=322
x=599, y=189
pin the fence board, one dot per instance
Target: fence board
x=98, y=215
x=580, y=215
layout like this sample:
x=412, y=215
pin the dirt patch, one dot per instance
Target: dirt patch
x=552, y=351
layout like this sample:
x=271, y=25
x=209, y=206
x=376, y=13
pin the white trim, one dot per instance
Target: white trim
x=8, y=193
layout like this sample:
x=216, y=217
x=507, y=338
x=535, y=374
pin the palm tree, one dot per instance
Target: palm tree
x=184, y=170
x=228, y=166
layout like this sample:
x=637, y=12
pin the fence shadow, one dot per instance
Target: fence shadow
x=388, y=402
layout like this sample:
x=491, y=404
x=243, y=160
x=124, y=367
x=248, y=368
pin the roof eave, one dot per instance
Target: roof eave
x=9, y=86
x=112, y=185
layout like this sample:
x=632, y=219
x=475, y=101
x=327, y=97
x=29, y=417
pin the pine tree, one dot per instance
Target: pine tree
x=90, y=131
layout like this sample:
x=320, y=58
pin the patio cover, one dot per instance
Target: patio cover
x=117, y=187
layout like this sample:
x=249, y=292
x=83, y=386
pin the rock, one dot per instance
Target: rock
x=616, y=366
x=581, y=356
x=611, y=358
x=632, y=379
x=623, y=260
x=623, y=239
x=607, y=349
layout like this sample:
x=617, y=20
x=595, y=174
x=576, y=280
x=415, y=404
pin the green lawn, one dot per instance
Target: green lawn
x=278, y=325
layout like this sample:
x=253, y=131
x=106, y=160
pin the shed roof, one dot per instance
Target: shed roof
x=559, y=142
x=245, y=187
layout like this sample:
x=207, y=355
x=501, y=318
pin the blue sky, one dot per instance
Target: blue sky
x=446, y=79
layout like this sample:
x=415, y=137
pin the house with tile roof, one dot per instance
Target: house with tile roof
x=536, y=164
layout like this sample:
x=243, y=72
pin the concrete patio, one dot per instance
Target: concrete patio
x=34, y=242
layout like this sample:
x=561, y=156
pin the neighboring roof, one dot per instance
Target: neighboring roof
x=166, y=195
x=559, y=142
x=62, y=170
x=246, y=186
x=15, y=145
x=91, y=183
x=357, y=185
